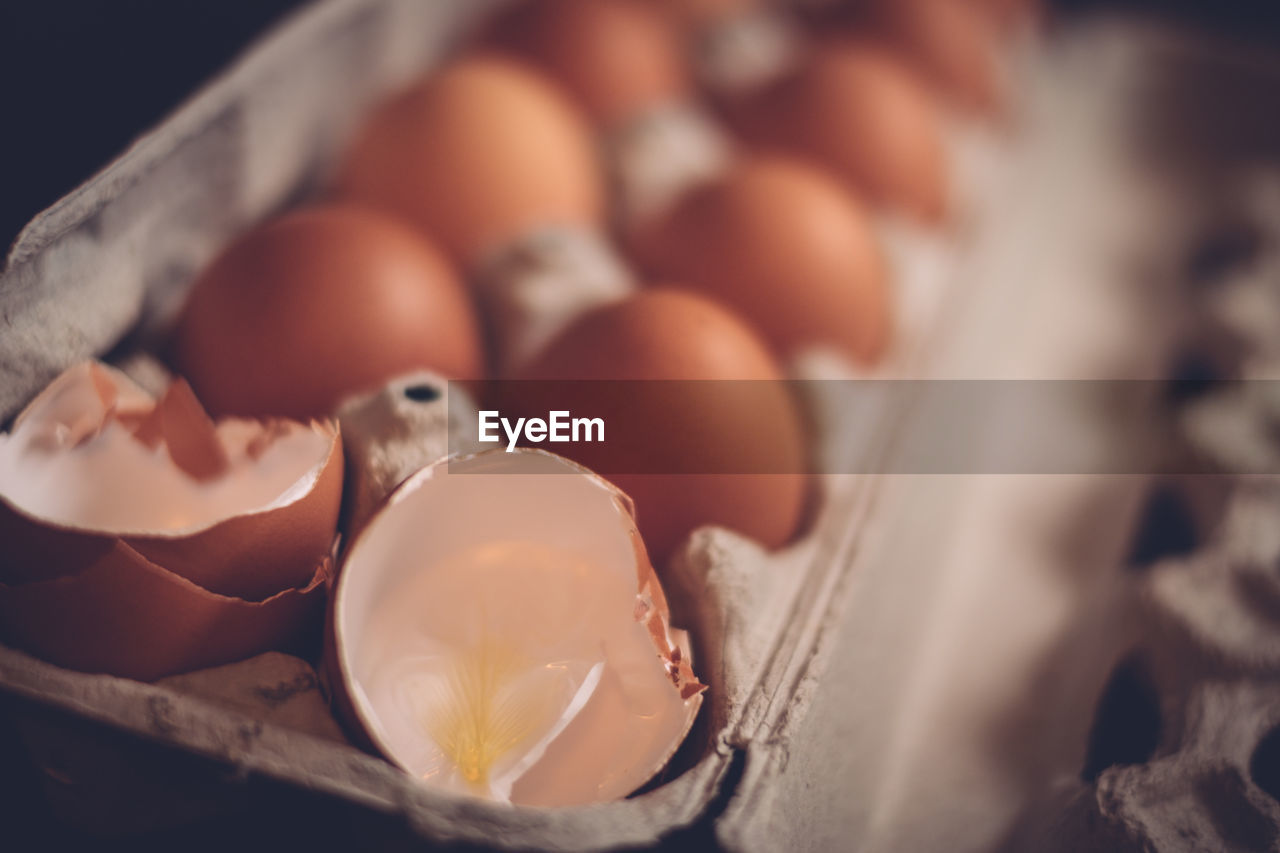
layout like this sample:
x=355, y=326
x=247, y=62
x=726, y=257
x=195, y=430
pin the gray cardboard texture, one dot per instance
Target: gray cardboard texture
x=912, y=674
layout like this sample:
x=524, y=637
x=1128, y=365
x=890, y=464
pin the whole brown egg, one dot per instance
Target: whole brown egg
x=699, y=427
x=782, y=244
x=318, y=304
x=952, y=44
x=617, y=58
x=697, y=14
x=862, y=112
x=478, y=155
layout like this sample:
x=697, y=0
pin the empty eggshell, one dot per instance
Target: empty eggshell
x=497, y=630
x=319, y=304
x=860, y=111
x=141, y=539
x=783, y=245
x=478, y=155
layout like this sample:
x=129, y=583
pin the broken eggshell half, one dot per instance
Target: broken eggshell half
x=143, y=540
x=497, y=630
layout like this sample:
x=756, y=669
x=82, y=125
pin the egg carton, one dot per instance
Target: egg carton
x=892, y=617
x=1185, y=748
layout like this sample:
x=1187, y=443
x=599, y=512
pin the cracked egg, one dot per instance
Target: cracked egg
x=498, y=630
x=142, y=539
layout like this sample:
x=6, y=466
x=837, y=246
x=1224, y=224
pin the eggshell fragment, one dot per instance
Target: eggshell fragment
x=126, y=616
x=498, y=630
x=862, y=113
x=477, y=155
x=784, y=246
x=701, y=428
x=142, y=539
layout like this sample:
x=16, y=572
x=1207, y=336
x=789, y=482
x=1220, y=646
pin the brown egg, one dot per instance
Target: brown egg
x=952, y=44
x=319, y=304
x=784, y=246
x=617, y=58
x=861, y=112
x=699, y=14
x=478, y=155
x=742, y=441
x=1007, y=13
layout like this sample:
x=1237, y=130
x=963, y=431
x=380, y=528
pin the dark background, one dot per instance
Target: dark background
x=79, y=79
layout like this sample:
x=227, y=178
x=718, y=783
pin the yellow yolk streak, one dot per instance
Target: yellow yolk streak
x=481, y=715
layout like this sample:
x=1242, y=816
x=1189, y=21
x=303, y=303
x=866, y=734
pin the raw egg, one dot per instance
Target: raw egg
x=622, y=61
x=617, y=58
x=686, y=437
x=783, y=245
x=1007, y=14
x=478, y=155
x=864, y=114
x=319, y=304
x=698, y=14
x=953, y=45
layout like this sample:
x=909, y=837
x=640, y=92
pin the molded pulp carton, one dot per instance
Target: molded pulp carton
x=915, y=669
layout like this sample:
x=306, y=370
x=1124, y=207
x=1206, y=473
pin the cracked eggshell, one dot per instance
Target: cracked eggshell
x=126, y=616
x=497, y=629
x=143, y=540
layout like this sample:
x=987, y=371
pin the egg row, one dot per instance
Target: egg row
x=636, y=191
x=497, y=181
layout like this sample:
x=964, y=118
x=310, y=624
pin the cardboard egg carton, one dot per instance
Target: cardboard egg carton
x=1185, y=749
x=866, y=612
